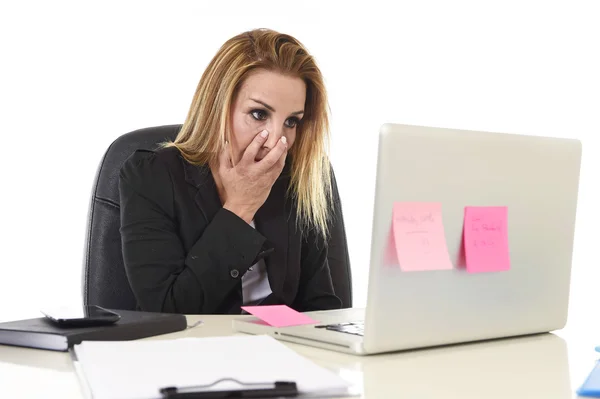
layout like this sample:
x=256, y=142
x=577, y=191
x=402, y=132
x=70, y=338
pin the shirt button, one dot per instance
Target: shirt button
x=234, y=273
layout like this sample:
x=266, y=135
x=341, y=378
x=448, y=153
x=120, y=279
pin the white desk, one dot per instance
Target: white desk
x=542, y=366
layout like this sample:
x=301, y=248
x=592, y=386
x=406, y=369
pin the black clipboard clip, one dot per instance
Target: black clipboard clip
x=278, y=389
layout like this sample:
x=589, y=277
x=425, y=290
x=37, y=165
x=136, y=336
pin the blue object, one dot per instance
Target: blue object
x=591, y=386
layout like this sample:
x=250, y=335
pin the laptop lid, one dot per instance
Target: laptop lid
x=535, y=178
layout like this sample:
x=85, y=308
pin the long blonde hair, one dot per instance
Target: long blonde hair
x=206, y=128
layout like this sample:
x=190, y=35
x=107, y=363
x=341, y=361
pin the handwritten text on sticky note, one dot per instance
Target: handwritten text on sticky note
x=486, y=239
x=279, y=315
x=419, y=236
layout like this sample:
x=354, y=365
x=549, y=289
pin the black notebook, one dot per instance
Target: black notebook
x=44, y=334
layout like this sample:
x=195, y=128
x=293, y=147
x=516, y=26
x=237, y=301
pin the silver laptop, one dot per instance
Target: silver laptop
x=536, y=178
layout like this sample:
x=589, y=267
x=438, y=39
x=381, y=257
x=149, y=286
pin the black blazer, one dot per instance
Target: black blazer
x=185, y=253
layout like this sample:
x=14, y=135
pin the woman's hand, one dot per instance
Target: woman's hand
x=248, y=184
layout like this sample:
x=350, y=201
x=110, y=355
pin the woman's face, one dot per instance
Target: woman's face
x=266, y=101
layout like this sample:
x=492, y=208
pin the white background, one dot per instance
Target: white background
x=74, y=76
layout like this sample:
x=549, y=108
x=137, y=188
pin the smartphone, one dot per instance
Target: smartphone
x=83, y=316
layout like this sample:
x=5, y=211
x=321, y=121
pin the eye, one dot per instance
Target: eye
x=292, y=122
x=259, y=114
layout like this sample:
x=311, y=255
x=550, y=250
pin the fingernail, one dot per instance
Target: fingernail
x=264, y=134
x=283, y=140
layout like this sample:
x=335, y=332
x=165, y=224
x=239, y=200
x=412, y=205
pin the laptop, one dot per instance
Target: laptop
x=535, y=178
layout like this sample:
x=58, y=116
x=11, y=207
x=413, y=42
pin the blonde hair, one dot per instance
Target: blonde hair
x=205, y=130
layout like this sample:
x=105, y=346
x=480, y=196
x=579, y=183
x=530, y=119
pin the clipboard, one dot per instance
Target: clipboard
x=278, y=371
x=277, y=389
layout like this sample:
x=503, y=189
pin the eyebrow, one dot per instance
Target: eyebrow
x=267, y=106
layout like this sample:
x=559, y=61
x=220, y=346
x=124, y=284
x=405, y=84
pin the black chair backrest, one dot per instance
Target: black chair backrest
x=104, y=280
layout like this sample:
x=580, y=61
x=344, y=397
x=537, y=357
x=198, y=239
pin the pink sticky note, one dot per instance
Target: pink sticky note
x=279, y=315
x=486, y=239
x=419, y=236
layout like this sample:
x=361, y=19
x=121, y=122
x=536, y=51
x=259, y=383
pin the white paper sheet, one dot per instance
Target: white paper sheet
x=138, y=369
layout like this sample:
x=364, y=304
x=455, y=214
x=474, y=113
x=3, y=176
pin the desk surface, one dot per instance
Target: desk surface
x=542, y=366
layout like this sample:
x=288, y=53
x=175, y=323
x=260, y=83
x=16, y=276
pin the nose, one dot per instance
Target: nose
x=275, y=133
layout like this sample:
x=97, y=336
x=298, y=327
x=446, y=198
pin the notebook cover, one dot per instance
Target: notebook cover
x=42, y=333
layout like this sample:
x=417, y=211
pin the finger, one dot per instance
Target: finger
x=225, y=158
x=254, y=147
x=280, y=163
x=277, y=169
x=273, y=156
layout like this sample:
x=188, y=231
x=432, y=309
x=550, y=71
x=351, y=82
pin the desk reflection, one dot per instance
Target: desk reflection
x=525, y=367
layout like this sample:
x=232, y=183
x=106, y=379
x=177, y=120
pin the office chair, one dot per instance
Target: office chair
x=105, y=282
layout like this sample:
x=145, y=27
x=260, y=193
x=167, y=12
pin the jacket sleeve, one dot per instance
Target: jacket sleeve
x=163, y=277
x=316, y=289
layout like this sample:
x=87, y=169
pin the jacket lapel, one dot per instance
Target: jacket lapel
x=206, y=195
x=272, y=222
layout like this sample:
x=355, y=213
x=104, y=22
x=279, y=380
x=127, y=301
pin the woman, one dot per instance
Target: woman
x=237, y=210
